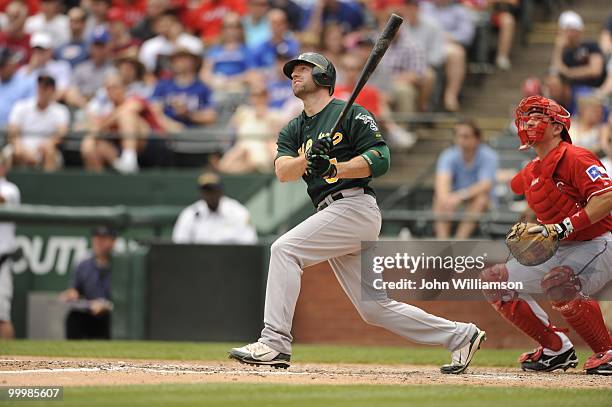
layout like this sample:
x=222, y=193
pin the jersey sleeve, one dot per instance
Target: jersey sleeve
x=590, y=176
x=363, y=130
x=445, y=162
x=287, y=143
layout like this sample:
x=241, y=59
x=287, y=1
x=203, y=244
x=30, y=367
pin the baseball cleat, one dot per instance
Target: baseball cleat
x=538, y=361
x=461, y=358
x=260, y=354
x=599, y=363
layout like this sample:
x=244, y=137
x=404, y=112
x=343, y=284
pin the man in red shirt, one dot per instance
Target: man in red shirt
x=570, y=192
x=14, y=36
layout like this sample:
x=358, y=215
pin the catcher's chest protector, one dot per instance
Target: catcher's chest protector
x=543, y=196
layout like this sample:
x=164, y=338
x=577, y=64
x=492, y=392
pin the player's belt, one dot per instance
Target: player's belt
x=346, y=193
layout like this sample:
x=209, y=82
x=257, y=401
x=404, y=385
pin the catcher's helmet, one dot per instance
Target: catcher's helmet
x=551, y=112
x=323, y=71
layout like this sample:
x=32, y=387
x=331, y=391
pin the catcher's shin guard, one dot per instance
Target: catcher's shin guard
x=562, y=288
x=518, y=311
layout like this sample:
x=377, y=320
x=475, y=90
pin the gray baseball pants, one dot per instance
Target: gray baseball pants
x=335, y=234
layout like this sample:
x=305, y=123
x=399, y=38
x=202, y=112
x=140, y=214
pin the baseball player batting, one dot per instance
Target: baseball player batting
x=571, y=194
x=338, y=171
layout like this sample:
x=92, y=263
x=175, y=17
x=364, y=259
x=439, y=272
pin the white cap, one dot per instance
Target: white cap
x=570, y=20
x=41, y=40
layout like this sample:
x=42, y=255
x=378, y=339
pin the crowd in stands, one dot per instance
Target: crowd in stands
x=129, y=69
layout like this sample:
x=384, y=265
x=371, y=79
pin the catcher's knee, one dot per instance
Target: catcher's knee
x=561, y=285
x=497, y=273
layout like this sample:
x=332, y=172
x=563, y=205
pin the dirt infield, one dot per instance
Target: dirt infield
x=21, y=371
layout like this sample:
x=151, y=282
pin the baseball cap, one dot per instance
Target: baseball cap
x=209, y=180
x=570, y=20
x=41, y=40
x=104, y=230
x=46, y=80
x=100, y=36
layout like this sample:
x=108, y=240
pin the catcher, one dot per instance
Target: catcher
x=567, y=255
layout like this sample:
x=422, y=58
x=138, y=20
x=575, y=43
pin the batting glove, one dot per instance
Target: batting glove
x=321, y=147
x=319, y=165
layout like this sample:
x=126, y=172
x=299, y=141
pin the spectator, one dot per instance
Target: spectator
x=255, y=22
x=371, y=99
x=98, y=16
x=332, y=42
x=122, y=43
x=227, y=65
x=465, y=176
x=279, y=86
x=293, y=12
x=456, y=22
x=12, y=89
x=132, y=11
x=50, y=20
x=183, y=100
x=89, y=76
x=587, y=128
x=132, y=74
x=118, y=127
x=281, y=41
x=42, y=62
x=154, y=53
x=37, y=128
x=577, y=65
x=75, y=50
x=14, y=36
x=143, y=29
x=9, y=197
x=256, y=127
x=505, y=13
x=208, y=17
x=215, y=218
x=90, y=290
x=605, y=38
x=348, y=14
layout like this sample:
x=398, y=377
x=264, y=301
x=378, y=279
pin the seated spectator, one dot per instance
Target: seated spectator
x=89, y=76
x=122, y=43
x=143, y=29
x=14, y=36
x=37, y=128
x=348, y=14
x=372, y=99
x=332, y=42
x=280, y=41
x=75, y=50
x=183, y=100
x=215, y=218
x=279, y=86
x=42, y=62
x=227, y=65
x=465, y=175
x=50, y=20
x=587, y=126
x=132, y=73
x=90, y=290
x=455, y=20
x=255, y=22
x=505, y=13
x=118, y=126
x=293, y=11
x=12, y=89
x=208, y=16
x=605, y=38
x=97, y=11
x=155, y=52
x=9, y=197
x=577, y=65
x=256, y=127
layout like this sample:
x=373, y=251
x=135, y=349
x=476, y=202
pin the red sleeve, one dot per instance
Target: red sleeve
x=517, y=184
x=589, y=175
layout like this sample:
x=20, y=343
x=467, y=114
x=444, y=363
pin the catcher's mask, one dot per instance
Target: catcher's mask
x=545, y=112
x=323, y=71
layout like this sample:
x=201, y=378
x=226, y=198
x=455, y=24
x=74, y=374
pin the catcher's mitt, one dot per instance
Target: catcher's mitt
x=532, y=244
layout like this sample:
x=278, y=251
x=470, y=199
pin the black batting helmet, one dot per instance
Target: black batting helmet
x=323, y=71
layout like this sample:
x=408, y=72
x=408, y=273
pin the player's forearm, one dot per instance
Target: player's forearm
x=357, y=167
x=599, y=207
x=290, y=168
x=477, y=189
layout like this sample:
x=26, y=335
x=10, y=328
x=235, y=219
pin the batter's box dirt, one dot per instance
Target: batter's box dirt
x=21, y=371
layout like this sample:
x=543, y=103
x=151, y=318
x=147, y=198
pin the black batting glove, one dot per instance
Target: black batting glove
x=321, y=147
x=320, y=166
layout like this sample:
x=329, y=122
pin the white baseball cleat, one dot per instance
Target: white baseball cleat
x=259, y=354
x=461, y=358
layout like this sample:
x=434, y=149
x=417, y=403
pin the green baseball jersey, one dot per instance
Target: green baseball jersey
x=357, y=133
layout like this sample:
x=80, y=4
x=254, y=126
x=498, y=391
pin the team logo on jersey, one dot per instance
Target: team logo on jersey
x=367, y=120
x=594, y=172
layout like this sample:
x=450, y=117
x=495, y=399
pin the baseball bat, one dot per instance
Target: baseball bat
x=381, y=46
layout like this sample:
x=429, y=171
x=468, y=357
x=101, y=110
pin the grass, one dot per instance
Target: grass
x=255, y=395
x=218, y=351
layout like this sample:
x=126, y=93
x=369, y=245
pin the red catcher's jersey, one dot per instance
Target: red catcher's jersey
x=577, y=174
